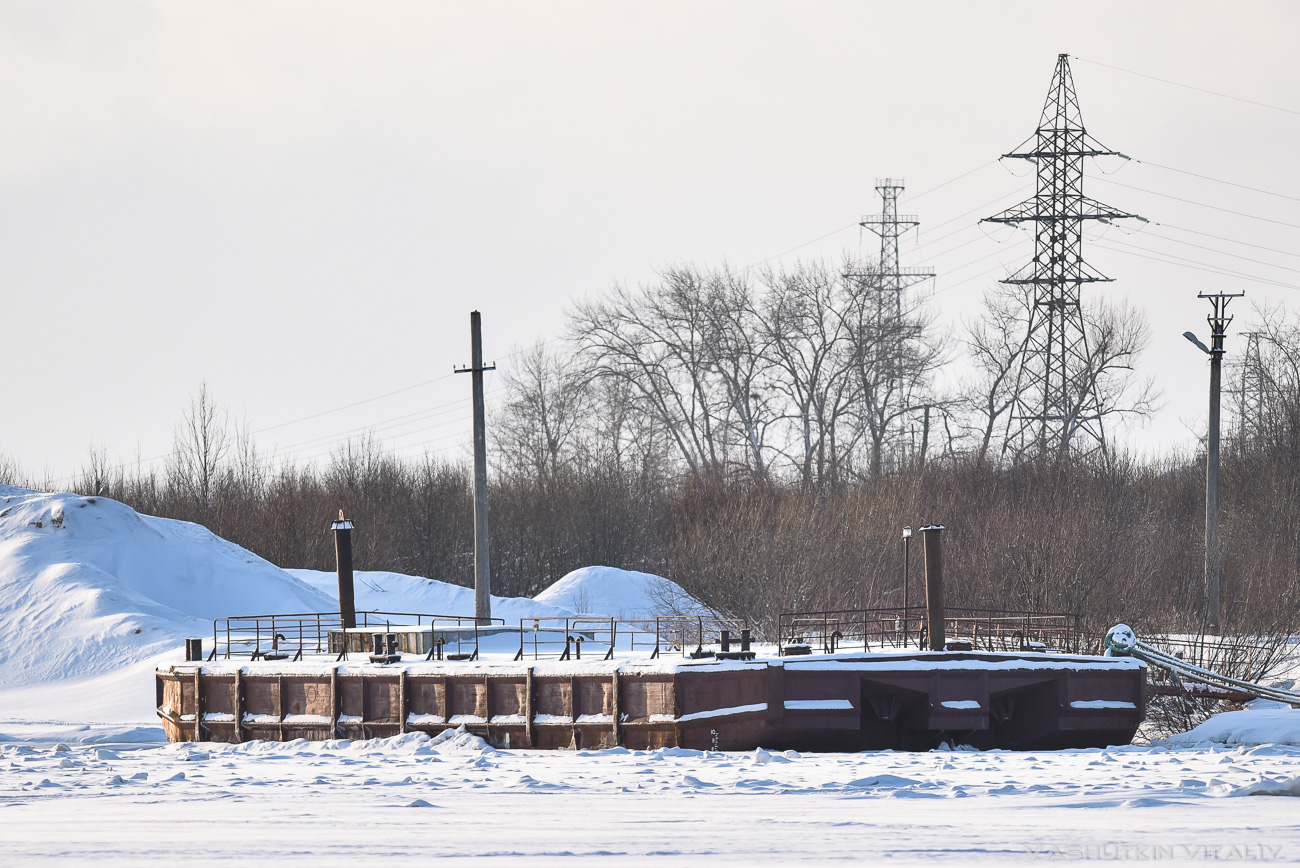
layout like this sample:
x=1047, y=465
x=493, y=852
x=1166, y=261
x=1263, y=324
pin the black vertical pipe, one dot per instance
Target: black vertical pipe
x=934, y=613
x=343, y=560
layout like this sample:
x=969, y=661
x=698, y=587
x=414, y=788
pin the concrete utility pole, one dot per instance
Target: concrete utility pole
x=482, y=569
x=1218, y=320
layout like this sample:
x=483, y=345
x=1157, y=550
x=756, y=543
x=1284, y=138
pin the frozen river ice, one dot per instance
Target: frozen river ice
x=412, y=797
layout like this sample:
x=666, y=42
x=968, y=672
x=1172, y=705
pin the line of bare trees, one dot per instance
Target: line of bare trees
x=810, y=375
x=762, y=440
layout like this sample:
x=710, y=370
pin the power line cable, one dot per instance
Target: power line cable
x=1221, y=252
x=311, y=445
x=1190, y=86
x=1217, y=180
x=910, y=198
x=1201, y=204
x=1171, y=259
x=353, y=404
x=949, y=181
x=1227, y=239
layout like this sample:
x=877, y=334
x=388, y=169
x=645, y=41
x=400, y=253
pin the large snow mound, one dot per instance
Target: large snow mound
x=88, y=585
x=1262, y=723
x=380, y=591
x=621, y=594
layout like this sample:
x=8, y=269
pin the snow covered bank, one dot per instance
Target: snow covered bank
x=1263, y=723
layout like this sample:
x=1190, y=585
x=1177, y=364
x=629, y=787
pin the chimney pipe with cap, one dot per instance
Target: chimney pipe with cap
x=933, y=585
x=343, y=558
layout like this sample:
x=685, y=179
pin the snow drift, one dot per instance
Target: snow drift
x=88, y=585
x=377, y=590
x=621, y=594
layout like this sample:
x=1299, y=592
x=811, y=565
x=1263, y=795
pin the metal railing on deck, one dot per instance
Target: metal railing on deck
x=565, y=638
x=904, y=627
x=687, y=633
x=295, y=634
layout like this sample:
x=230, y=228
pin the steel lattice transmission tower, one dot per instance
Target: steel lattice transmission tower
x=891, y=280
x=1252, y=392
x=1055, y=398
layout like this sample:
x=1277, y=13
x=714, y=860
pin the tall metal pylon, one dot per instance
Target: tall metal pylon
x=1055, y=397
x=1252, y=393
x=891, y=280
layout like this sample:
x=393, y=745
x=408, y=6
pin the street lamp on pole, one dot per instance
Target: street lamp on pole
x=1218, y=320
x=907, y=557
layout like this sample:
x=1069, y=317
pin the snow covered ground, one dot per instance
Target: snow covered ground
x=93, y=596
x=413, y=798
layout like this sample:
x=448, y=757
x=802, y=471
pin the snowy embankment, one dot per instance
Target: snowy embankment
x=94, y=595
x=1264, y=722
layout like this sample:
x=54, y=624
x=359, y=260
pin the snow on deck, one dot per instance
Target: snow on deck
x=642, y=664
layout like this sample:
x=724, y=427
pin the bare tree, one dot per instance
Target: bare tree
x=737, y=353
x=201, y=445
x=662, y=342
x=810, y=347
x=896, y=355
x=995, y=343
x=1104, y=390
x=1117, y=333
x=547, y=402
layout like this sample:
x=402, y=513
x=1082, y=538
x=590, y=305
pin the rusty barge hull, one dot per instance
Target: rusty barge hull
x=914, y=701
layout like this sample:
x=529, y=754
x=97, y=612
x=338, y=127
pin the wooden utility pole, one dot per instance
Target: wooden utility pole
x=482, y=569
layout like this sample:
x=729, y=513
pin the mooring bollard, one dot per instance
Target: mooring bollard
x=725, y=641
x=744, y=639
x=343, y=565
x=193, y=650
x=934, y=614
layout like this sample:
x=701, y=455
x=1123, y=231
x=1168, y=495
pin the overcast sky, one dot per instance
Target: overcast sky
x=300, y=203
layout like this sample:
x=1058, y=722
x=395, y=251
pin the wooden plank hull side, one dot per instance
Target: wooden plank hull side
x=846, y=702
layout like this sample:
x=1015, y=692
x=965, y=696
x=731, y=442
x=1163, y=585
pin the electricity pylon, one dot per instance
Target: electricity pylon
x=890, y=281
x=1253, y=387
x=1055, y=397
